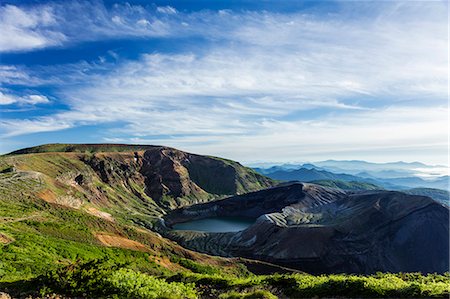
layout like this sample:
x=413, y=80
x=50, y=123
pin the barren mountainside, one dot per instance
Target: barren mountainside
x=323, y=230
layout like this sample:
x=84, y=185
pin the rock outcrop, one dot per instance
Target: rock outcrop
x=194, y=178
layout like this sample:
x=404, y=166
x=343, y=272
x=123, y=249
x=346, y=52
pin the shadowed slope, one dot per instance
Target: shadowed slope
x=323, y=230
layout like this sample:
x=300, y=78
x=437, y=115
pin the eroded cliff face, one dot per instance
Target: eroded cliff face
x=188, y=178
x=147, y=179
x=166, y=177
x=322, y=230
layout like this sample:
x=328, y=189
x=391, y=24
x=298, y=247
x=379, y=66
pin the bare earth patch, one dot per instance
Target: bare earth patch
x=121, y=242
x=47, y=195
x=67, y=200
x=98, y=213
x=5, y=239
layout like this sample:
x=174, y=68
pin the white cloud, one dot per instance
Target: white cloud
x=27, y=29
x=7, y=99
x=42, y=124
x=384, y=135
x=32, y=99
x=166, y=10
x=35, y=99
x=399, y=51
x=14, y=75
x=143, y=22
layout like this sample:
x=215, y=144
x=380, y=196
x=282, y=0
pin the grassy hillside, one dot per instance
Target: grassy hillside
x=82, y=148
x=36, y=236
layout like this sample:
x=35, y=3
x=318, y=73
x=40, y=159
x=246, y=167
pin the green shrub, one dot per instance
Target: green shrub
x=131, y=284
x=214, y=281
x=195, y=266
x=110, y=278
x=80, y=279
x=218, y=281
x=376, y=286
x=259, y=294
x=100, y=278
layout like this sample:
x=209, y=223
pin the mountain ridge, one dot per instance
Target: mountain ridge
x=82, y=147
x=154, y=175
x=318, y=173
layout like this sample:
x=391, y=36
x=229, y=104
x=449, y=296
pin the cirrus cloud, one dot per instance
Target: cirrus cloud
x=335, y=82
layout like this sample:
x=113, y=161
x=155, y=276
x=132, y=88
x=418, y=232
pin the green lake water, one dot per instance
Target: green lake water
x=216, y=224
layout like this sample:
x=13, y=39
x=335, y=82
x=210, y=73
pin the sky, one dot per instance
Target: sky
x=247, y=80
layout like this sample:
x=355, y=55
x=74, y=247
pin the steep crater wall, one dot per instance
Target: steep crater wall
x=320, y=230
x=251, y=205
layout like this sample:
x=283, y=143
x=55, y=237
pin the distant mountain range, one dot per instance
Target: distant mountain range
x=396, y=176
x=358, y=164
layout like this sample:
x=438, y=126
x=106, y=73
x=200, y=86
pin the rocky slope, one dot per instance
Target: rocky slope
x=323, y=230
x=137, y=178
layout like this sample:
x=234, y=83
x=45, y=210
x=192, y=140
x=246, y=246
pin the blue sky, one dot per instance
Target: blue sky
x=246, y=80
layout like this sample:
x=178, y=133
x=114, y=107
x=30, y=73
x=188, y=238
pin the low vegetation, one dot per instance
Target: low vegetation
x=107, y=279
x=195, y=266
x=258, y=294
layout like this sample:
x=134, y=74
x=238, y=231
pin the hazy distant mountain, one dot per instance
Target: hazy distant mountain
x=308, y=175
x=311, y=175
x=364, y=168
x=416, y=182
x=364, y=165
x=385, y=174
x=442, y=196
x=314, y=173
x=349, y=185
x=270, y=170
